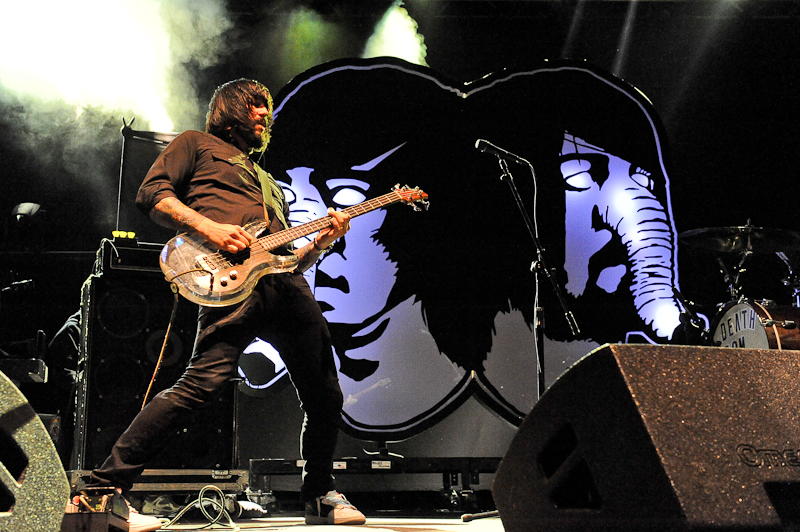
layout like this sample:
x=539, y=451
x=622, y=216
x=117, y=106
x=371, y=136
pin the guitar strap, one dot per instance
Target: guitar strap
x=273, y=195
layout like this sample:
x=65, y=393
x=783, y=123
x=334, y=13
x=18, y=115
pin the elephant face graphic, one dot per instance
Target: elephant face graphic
x=606, y=196
x=429, y=308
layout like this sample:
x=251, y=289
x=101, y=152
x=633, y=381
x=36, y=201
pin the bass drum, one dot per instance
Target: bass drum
x=753, y=325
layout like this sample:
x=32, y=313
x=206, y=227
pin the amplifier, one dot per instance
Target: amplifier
x=124, y=322
x=120, y=255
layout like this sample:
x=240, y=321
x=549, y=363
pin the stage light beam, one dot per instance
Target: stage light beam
x=396, y=35
x=309, y=40
x=625, y=39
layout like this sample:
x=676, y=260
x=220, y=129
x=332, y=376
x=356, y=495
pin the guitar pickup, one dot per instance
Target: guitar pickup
x=204, y=264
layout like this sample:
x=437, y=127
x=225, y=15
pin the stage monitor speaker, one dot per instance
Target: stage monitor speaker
x=124, y=321
x=659, y=438
x=34, y=490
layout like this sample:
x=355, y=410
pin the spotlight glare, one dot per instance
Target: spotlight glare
x=396, y=35
x=89, y=52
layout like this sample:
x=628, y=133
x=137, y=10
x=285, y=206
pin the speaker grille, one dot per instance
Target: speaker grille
x=123, y=313
x=125, y=316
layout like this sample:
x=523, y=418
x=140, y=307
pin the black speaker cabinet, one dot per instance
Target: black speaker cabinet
x=124, y=321
x=662, y=438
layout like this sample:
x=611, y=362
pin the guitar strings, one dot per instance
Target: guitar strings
x=219, y=260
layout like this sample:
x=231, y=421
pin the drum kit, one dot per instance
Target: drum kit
x=744, y=322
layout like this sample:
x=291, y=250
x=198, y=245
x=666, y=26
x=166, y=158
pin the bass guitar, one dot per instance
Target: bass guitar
x=216, y=278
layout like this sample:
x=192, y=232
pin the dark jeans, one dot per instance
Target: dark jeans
x=282, y=311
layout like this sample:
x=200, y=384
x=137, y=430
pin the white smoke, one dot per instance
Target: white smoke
x=305, y=40
x=86, y=52
x=197, y=30
x=71, y=70
x=69, y=73
x=118, y=54
x=396, y=35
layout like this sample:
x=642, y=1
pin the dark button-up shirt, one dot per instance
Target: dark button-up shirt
x=211, y=176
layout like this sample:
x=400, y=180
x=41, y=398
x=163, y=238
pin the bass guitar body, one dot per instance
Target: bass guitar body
x=219, y=278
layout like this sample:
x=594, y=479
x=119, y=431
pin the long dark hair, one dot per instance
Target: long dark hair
x=230, y=106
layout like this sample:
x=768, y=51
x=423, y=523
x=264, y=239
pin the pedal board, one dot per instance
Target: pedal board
x=94, y=522
x=96, y=510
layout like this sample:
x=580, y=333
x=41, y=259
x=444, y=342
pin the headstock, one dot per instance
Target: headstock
x=413, y=197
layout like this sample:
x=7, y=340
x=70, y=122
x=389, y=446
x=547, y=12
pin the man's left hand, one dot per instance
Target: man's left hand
x=340, y=224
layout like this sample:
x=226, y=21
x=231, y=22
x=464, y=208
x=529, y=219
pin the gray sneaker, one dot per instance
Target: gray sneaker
x=333, y=509
x=140, y=522
x=143, y=523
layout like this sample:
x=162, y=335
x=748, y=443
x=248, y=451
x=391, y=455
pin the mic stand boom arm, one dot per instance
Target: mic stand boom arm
x=540, y=265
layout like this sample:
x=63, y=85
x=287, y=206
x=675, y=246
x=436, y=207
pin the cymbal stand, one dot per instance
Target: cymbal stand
x=695, y=326
x=733, y=279
x=792, y=280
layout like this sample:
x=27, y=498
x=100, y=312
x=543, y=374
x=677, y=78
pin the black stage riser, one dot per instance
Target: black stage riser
x=125, y=317
x=659, y=438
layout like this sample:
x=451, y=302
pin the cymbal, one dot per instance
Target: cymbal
x=742, y=239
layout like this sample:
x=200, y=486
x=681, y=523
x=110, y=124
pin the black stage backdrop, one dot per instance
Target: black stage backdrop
x=723, y=76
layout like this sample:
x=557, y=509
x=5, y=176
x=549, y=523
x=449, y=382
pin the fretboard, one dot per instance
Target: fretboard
x=272, y=241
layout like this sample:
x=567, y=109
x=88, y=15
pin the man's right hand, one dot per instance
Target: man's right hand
x=171, y=212
x=225, y=236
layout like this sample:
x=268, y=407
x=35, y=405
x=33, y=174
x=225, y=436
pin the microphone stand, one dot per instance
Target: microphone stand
x=538, y=266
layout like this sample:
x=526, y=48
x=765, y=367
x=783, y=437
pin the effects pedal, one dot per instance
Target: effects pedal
x=96, y=510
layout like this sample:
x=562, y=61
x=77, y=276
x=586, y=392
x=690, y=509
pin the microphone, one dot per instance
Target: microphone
x=488, y=147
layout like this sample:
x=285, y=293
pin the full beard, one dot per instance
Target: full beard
x=253, y=140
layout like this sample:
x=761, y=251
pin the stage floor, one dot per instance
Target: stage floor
x=272, y=524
